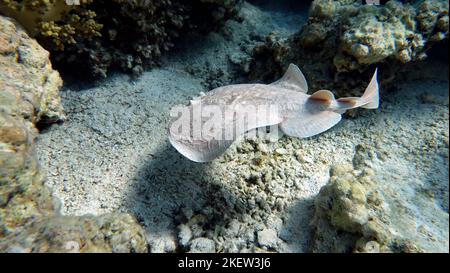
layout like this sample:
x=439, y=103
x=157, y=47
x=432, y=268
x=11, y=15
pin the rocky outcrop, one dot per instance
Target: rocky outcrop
x=29, y=94
x=343, y=41
x=362, y=210
x=29, y=84
x=106, y=233
x=90, y=37
x=29, y=215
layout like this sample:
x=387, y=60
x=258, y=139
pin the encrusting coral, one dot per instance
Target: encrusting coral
x=54, y=22
x=345, y=38
x=89, y=37
x=398, y=31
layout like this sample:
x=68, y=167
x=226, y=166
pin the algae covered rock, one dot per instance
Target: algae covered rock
x=29, y=94
x=55, y=23
x=107, y=233
x=30, y=87
x=23, y=196
x=396, y=31
x=29, y=214
x=90, y=37
x=362, y=209
x=202, y=245
x=343, y=40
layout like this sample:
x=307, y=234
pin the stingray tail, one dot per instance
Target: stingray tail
x=371, y=94
x=369, y=100
x=322, y=111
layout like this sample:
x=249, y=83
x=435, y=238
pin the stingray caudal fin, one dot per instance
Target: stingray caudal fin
x=369, y=100
x=372, y=93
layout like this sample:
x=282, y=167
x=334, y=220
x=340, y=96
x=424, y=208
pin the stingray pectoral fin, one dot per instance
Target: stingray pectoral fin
x=304, y=125
x=210, y=144
x=201, y=151
x=293, y=79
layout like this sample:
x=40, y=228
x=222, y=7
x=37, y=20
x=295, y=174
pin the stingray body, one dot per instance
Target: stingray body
x=212, y=122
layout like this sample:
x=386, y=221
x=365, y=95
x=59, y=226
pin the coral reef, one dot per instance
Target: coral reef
x=54, y=22
x=259, y=197
x=343, y=39
x=94, y=36
x=363, y=211
x=29, y=215
x=117, y=233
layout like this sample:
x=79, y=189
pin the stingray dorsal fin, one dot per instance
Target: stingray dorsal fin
x=293, y=79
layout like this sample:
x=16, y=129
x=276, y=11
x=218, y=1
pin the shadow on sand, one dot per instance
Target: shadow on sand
x=169, y=188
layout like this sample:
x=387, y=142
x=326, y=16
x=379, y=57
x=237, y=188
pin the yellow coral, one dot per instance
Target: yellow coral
x=54, y=20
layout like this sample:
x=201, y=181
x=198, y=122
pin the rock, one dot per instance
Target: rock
x=267, y=238
x=91, y=37
x=108, y=233
x=29, y=95
x=23, y=197
x=281, y=151
x=202, y=245
x=29, y=215
x=163, y=244
x=249, y=235
x=275, y=223
x=361, y=210
x=184, y=235
x=233, y=229
x=397, y=32
x=30, y=87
